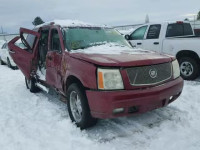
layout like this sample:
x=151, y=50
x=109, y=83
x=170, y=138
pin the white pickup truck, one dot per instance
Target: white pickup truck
x=174, y=38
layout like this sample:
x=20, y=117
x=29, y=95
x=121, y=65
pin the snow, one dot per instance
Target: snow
x=40, y=122
x=70, y=23
x=2, y=42
x=111, y=48
x=41, y=73
x=128, y=31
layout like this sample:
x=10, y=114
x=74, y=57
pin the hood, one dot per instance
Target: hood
x=119, y=57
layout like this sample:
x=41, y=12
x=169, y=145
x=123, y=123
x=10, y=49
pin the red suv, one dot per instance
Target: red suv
x=96, y=71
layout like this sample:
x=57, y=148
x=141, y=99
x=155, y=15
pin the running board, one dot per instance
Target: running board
x=42, y=87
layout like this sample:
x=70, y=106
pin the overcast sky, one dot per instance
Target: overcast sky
x=21, y=13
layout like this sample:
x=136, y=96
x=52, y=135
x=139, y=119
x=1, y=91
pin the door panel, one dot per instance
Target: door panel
x=54, y=58
x=3, y=53
x=153, y=45
x=153, y=41
x=136, y=43
x=53, y=62
x=24, y=58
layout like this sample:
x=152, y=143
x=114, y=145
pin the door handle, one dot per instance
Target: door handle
x=139, y=43
x=156, y=43
x=10, y=51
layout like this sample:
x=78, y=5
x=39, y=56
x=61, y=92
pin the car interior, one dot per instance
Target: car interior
x=43, y=48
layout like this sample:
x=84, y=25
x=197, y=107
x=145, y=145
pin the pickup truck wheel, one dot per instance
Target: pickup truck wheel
x=189, y=68
x=78, y=107
x=31, y=85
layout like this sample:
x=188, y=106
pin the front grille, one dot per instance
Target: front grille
x=149, y=75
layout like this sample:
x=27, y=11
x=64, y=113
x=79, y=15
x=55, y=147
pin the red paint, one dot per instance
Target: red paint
x=22, y=57
x=123, y=60
x=63, y=65
x=102, y=103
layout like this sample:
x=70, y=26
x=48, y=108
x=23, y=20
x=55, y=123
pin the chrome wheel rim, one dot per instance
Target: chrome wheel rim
x=186, y=68
x=75, y=106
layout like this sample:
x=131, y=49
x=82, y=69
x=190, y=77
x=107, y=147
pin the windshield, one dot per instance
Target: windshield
x=84, y=37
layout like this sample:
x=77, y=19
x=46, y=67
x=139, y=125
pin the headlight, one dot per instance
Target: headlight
x=176, y=69
x=109, y=79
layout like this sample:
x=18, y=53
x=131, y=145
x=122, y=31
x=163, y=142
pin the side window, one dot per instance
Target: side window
x=55, y=41
x=139, y=33
x=188, y=29
x=179, y=29
x=154, y=31
x=30, y=40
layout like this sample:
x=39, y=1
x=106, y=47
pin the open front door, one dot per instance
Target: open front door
x=25, y=58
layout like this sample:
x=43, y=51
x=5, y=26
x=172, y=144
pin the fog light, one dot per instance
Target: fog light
x=118, y=110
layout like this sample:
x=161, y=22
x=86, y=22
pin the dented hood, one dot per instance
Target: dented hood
x=138, y=58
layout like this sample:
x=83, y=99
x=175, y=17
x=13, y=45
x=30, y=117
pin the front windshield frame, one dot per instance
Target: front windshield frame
x=65, y=35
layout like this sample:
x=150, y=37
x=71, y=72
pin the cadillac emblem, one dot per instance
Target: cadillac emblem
x=153, y=73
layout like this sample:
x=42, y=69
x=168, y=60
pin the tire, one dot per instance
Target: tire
x=1, y=62
x=189, y=67
x=9, y=64
x=31, y=85
x=78, y=107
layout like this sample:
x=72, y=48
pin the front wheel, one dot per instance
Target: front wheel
x=78, y=107
x=31, y=85
x=189, y=68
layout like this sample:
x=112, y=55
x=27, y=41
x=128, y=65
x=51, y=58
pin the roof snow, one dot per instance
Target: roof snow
x=70, y=23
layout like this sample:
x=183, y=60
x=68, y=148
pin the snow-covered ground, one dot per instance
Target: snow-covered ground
x=41, y=122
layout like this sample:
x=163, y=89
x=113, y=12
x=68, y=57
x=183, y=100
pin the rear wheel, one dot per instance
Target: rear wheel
x=1, y=62
x=189, y=67
x=31, y=85
x=78, y=107
x=9, y=64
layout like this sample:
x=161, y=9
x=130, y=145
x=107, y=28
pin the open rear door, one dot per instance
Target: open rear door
x=25, y=58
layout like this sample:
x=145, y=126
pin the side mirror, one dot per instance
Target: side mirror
x=127, y=37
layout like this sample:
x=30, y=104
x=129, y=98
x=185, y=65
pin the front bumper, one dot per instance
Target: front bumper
x=102, y=103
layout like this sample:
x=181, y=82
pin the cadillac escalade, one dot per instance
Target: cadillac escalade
x=96, y=71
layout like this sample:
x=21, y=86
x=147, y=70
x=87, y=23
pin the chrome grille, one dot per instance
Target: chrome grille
x=148, y=75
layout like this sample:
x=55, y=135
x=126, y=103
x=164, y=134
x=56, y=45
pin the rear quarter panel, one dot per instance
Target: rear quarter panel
x=173, y=45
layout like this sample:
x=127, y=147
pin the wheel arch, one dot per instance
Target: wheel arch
x=188, y=53
x=70, y=80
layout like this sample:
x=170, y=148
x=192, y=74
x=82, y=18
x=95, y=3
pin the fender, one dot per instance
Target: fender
x=81, y=74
